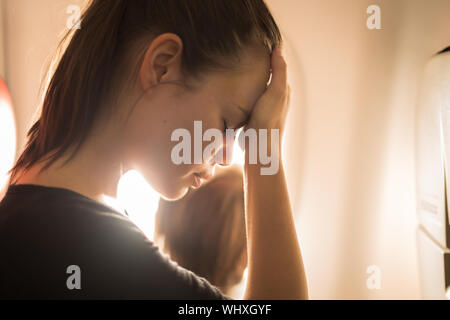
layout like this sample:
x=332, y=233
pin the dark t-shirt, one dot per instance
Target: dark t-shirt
x=44, y=231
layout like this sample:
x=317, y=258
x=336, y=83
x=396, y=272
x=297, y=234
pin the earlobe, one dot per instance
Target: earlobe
x=162, y=61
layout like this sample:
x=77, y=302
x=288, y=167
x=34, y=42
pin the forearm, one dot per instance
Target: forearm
x=275, y=266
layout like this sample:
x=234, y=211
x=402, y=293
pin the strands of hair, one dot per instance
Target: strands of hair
x=90, y=70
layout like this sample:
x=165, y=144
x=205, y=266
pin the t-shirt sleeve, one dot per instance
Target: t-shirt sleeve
x=118, y=261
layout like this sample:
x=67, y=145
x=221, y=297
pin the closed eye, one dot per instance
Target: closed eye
x=242, y=124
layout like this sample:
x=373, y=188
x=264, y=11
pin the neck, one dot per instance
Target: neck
x=94, y=171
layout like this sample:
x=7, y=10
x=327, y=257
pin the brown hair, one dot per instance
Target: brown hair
x=205, y=231
x=91, y=66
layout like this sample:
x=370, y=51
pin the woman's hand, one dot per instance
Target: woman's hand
x=271, y=108
x=275, y=264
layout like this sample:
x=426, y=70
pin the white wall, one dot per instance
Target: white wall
x=351, y=138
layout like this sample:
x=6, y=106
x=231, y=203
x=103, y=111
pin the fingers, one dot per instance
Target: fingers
x=271, y=108
x=278, y=84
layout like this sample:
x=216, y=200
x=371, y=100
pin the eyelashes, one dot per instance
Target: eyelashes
x=239, y=126
x=225, y=127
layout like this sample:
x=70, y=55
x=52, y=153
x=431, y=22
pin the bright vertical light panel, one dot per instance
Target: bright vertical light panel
x=140, y=200
x=7, y=135
x=238, y=153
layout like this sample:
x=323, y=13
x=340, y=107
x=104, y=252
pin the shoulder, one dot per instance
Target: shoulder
x=50, y=232
x=37, y=213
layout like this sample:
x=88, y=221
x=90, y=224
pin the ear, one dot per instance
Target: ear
x=162, y=61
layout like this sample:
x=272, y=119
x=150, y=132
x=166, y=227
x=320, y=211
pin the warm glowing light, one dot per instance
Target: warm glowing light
x=7, y=135
x=113, y=203
x=238, y=291
x=140, y=201
x=243, y=284
x=238, y=153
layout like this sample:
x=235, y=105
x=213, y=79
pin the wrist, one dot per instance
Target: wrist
x=265, y=160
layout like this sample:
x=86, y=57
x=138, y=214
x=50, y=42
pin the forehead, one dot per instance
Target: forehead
x=245, y=85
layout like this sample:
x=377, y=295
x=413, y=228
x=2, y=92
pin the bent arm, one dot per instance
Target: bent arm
x=275, y=266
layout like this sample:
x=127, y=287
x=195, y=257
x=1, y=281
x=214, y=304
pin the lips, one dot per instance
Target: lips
x=199, y=179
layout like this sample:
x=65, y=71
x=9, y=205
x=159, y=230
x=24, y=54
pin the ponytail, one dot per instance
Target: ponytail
x=83, y=85
x=73, y=96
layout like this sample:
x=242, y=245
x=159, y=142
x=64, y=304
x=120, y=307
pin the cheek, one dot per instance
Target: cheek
x=148, y=150
x=148, y=140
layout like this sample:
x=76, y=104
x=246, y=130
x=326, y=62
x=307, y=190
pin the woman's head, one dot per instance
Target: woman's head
x=147, y=68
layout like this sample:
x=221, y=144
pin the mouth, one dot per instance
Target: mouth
x=199, y=179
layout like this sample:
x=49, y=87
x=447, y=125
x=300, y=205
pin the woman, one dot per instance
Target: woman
x=134, y=73
x=205, y=231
